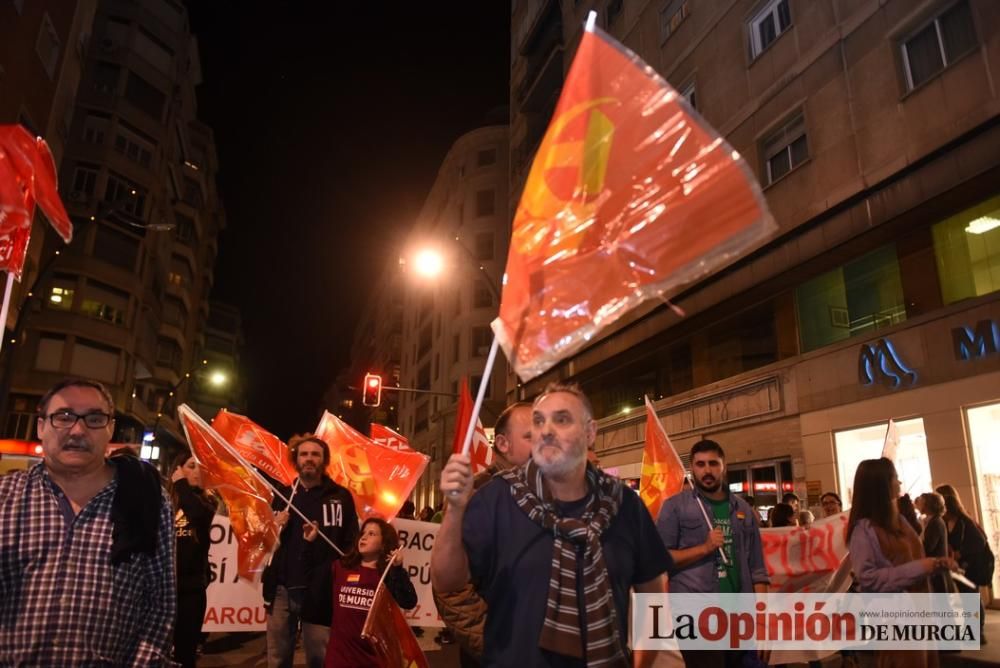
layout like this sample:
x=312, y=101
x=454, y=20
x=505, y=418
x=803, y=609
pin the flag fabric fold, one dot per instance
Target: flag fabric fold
x=389, y=438
x=630, y=196
x=479, y=450
x=662, y=471
x=256, y=445
x=246, y=497
x=390, y=634
x=379, y=478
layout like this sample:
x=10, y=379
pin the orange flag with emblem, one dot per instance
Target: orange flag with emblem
x=630, y=196
x=389, y=633
x=247, y=498
x=256, y=445
x=389, y=438
x=379, y=478
x=662, y=471
x=479, y=450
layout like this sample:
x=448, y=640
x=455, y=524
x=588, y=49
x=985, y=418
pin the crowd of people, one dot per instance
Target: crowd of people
x=533, y=564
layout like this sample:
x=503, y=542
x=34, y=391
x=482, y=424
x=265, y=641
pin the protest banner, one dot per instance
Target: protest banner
x=417, y=540
x=805, y=560
x=234, y=603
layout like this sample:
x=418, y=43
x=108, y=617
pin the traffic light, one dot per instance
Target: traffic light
x=371, y=395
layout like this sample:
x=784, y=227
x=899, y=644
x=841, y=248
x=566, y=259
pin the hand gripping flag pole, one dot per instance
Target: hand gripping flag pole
x=189, y=413
x=701, y=507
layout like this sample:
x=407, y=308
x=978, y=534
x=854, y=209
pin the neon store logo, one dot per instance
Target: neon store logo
x=879, y=362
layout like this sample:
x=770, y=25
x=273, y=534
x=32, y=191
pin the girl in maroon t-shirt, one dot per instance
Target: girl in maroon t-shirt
x=355, y=578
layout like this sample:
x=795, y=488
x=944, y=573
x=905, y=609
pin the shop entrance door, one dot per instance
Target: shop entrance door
x=984, y=432
x=765, y=481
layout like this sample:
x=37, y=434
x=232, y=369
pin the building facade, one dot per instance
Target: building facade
x=445, y=321
x=874, y=130
x=127, y=302
x=220, y=383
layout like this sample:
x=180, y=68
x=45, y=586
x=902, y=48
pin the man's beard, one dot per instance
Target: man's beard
x=712, y=487
x=563, y=464
x=310, y=473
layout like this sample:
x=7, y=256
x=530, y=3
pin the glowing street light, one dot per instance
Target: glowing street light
x=428, y=263
x=218, y=378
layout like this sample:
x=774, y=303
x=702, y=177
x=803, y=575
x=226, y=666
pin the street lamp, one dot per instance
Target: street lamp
x=429, y=262
x=216, y=378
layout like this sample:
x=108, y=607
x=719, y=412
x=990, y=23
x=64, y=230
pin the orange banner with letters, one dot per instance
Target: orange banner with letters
x=255, y=444
x=662, y=471
x=389, y=633
x=380, y=479
x=246, y=497
x=389, y=438
x=630, y=196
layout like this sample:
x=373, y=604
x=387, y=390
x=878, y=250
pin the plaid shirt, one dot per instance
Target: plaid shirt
x=62, y=603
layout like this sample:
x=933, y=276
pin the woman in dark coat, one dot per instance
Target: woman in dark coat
x=935, y=538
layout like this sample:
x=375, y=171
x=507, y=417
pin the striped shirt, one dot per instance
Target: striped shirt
x=62, y=603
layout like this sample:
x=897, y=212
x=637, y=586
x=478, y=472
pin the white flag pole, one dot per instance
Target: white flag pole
x=483, y=384
x=250, y=469
x=6, y=305
x=722, y=552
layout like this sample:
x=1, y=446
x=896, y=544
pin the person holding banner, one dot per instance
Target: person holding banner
x=713, y=539
x=194, y=510
x=536, y=536
x=86, y=545
x=355, y=578
x=297, y=581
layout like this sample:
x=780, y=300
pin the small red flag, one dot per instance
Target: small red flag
x=389, y=438
x=256, y=445
x=247, y=498
x=662, y=471
x=630, y=195
x=389, y=633
x=479, y=450
x=379, y=478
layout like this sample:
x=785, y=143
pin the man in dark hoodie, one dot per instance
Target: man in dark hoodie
x=297, y=584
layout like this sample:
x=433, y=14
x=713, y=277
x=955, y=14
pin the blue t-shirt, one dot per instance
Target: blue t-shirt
x=510, y=559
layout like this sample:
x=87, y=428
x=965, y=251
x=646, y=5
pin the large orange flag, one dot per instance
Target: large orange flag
x=380, y=479
x=390, y=634
x=662, y=471
x=479, y=450
x=246, y=497
x=630, y=195
x=256, y=445
x=389, y=438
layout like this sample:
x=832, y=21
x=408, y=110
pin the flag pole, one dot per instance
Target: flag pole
x=722, y=553
x=254, y=472
x=6, y=303
x=480, y=393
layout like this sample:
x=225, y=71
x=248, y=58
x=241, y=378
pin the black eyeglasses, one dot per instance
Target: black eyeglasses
x=66, y=420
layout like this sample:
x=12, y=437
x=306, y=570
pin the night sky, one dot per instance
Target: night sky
x=331, y=120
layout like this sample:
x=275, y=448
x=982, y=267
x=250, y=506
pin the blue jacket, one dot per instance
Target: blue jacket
x=682, y=525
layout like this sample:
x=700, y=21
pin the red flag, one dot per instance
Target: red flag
x=256, y=445
x=389, y=633
x=630, y=195
x=662, y=471
x=389, y=438
x=246, y=497
x=27, y=176
x=479, y=450
x=380, y=479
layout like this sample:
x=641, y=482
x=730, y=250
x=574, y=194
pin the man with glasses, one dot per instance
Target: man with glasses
x=86, y=545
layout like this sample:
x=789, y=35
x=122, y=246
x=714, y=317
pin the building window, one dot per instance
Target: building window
x=772, y=20
x=481, y=296
x=485, y=203
x=168, y=354
x=482, y=337
x=425, y=341
x=185, y=230
x=484, y=246
x=144, y=96
x=181, y=273
x=984, y=425
x=421, y=421
x=912, y=463
x=967, y=252
x=785, y=150
x=60, y=295
x=742, y=343
x=486, y=157
x=94, y=360
x=861, y=296
x=49, y=355
x=104, y=302
x=134, y=144
x=96, y=127
x=125, y=195
x=192, y=192
x=689, y=94
x=671, y=16
x=174, y=313
x=938, y=44
x=84, y=183
x=116, y=248
x=47, y=46
x=106, y=77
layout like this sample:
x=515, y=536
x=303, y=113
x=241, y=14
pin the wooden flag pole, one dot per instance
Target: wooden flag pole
x=6, y=304
x=252, y=471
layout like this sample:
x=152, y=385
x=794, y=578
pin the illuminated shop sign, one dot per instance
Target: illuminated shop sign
x=879, y=362
x=971, y=343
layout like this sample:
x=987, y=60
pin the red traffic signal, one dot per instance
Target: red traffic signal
x=371, y=394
